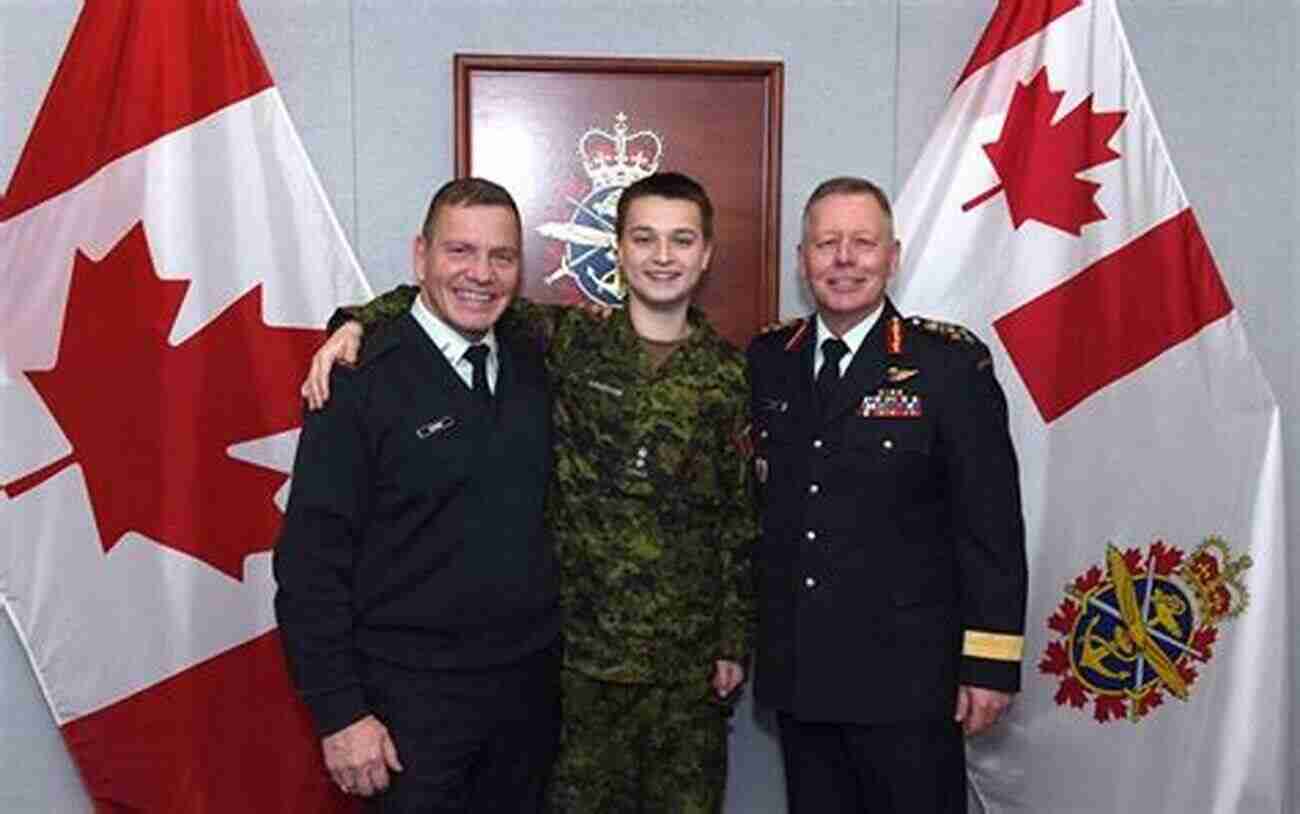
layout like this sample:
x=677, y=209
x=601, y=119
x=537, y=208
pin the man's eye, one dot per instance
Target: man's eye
x=685, y=241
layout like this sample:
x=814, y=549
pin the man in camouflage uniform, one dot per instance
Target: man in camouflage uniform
x=651, y=515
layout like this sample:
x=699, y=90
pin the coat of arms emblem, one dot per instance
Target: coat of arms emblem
x=612, y=160
x=1138, y=627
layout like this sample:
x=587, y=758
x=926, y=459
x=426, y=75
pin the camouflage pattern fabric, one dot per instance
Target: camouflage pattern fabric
x=638, y=748
x=652, y=516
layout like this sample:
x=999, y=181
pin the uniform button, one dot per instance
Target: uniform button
x=813, y=488
x=809, y=582
x=640, y=463
x=887, y=443
x=817, y=443
x=762, y=433
x=642, y=452
x=811, y=535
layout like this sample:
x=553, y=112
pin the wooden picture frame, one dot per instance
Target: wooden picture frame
x=565, y=134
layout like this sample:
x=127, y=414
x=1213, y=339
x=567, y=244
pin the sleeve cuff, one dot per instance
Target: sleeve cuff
x=994, y=646
x=337, y=709
x=339, y=318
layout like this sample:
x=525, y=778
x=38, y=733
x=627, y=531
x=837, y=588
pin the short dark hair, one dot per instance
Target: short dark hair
x=849, y=185
x=671, y=185
x=469, y=192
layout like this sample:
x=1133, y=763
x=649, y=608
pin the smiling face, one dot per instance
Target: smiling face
x=847, y=256
x=468, y=266
x=662, y=251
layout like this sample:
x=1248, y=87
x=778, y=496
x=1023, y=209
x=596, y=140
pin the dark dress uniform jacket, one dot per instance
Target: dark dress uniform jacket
x=415, y=533
x=892, y=563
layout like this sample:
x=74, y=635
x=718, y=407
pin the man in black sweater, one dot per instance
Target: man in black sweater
x=417, y=585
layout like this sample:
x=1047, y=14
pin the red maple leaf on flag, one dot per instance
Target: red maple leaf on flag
x=1133, y=559
x=1062, y=621
x=1072, y=692
x=1149, y=700
x=1167, y=558
x=151, y=425
x=1055, y=660
x=1088, y=580
x=1203, y=640
x=1038, y=161
x=1109, y=707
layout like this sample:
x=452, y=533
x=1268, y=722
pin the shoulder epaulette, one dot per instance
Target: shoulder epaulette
x=800, y=326
x=945, y=330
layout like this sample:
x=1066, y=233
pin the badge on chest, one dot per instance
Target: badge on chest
x=891, y=402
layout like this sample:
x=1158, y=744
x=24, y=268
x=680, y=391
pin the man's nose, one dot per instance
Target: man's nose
x=481, y=270
x=843, y=254
x=662, y=254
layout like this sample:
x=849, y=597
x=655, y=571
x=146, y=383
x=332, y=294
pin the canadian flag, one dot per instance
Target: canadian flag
x=161, y=241
x=1045, y=214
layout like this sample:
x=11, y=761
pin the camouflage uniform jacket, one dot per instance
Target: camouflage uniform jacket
x=652, y=516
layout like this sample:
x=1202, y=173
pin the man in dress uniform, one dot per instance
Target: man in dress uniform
x=651, y=510
x=891, y=570
x=418, y=594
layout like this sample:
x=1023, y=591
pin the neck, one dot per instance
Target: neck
x=841, y=324
x=667, y=325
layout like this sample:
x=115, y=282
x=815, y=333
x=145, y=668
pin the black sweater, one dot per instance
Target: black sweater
x=414, y=532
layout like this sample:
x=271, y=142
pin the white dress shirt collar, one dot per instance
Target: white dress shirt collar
x=453, y=344
x=853, y=338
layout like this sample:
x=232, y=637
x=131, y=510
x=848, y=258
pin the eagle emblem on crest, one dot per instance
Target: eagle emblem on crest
x=1139, y=627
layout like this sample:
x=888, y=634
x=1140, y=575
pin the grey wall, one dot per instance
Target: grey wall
x=369, y=85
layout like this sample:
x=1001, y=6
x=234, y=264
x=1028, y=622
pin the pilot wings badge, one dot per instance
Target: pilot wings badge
x=611, y=161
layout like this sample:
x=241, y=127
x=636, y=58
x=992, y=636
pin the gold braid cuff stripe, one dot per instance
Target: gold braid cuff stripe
x=997, y=646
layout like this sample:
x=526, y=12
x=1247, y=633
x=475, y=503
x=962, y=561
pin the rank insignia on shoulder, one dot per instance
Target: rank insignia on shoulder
x=772, y=327
x=894, y=336
x=798, y=335
x=891, y=402
x=948, y=330
x=894, y=374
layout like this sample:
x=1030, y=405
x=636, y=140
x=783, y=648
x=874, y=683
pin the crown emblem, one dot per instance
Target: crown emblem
x=590, y=249
x=1216, y=578
x=619, y=158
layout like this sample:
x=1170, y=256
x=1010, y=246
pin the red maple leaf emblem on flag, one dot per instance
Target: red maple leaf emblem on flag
x=1038, y=161
x=151, y=425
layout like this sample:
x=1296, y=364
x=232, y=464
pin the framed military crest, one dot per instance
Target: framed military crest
x=566, y=135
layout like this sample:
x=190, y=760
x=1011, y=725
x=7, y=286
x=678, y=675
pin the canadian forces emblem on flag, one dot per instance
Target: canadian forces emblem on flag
x=1140, y=626
x=612, y=161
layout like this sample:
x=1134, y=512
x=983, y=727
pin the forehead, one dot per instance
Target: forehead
x=486, y=223
x=655, y=212
x=848, y=213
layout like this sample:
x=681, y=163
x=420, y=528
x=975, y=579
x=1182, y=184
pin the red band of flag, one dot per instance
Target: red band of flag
x=1115, y=316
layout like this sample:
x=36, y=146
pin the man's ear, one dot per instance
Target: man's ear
x=420, y=249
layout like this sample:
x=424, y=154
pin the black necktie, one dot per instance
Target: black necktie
x=828, y=378
x=477, y=355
